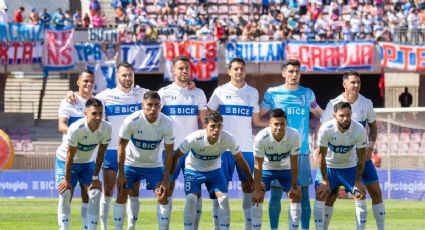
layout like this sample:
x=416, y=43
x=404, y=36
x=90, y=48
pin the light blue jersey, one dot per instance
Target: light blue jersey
x=297, y=104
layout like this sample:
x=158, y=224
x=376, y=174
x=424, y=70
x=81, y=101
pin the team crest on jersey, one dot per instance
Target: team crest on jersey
x=270, y=148
x=139, y=131
x=333, y=138
x=199, y=138
x=116, y=97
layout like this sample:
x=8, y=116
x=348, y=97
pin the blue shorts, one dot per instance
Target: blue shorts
x=337, y=177
x=214, y=181
x=153, y=176
x=80, y=172
x=111, y=160
x=304, y=172
x=284, y=177
x=369, y=175
x=228, y=164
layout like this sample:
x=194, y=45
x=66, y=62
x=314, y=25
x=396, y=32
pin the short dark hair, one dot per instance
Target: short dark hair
x=240, y=60
x=22, y=8
x=213, y=116
x=124, y=64
x=278, y=113
x=94, y=102
x=86, y=71
x=291, y=61
x=182, y=58
x=350, y=73
x=151, y=95
x=341, y=105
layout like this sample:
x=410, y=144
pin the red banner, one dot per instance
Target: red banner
x=59, y=46
x=15, y=53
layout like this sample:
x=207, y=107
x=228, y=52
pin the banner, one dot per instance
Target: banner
x=143, y=57
x=88, y=52
x=202, y=55
x=402, y=57
x=256, y=51
x=332, y=56
x=21, y=32
x=104, y=75
x=15, y=53
x=114, y=35
x=59, y=45
x=404, y=185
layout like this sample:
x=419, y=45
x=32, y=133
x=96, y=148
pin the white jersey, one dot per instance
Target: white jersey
x=203, y=156
x=340, y=145
x=144, y=139
x=118, y=105
x=72, y=112
x=362, y=110
x=237, y=107
x=277, y=153
x=80, y=136
x=182, y=106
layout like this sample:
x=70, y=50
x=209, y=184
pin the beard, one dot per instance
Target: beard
x=343, y=125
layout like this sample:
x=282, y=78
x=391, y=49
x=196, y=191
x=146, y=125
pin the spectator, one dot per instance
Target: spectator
x=141, y=33
x=34, y=17
x=19, y=15
x=116, y=3
x=68, y=18
x=45, y=17
x=264, y=7
x=405, y=98
x=376, y=159
x=402, y=25
x=4, y=17
x=94, y=6
x=413, y=25
x=347, y=32
x=86, y=20
x=59, y=18
x=77, y=18
x=97, y=20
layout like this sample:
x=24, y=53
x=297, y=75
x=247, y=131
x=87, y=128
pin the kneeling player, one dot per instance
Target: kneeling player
x=139, y=157
x=73, y=162
x=203, y=165
x=276, y=151
x=337, y=139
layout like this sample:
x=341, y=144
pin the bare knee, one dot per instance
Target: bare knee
x=375, y=193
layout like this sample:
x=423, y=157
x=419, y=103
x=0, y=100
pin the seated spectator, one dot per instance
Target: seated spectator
x=19, y=15
x=68, y=18
x=120, y=17
x=77, y=19
x=94, y=6
x=59, y=18
x=347, y=32
x=97, y=21
x=141, y=33
x=45, y=17
x=86, y=21
x=34, y=17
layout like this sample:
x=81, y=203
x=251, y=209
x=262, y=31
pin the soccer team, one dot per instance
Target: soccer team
x=111, y=131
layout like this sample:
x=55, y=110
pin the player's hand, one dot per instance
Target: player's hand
x=359, y=190
x=323, y=191
x=295, y=193
x=64, y=185
x=257, y=197
x=191, y=85
x=161, y=194
x=95, y=184
x=121, y=181
x=70, y=97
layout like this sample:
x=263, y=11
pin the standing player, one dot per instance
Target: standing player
x=139, y=158
x=74, y=162
x=337, y=139
x=69, y=113
x=119, y=103
x=276, y=148
x=362, y=109
x=202, y=165
x=184, y=107
x=238, y=104
x=297, y=102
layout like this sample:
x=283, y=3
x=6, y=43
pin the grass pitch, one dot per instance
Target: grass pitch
x=41, y=214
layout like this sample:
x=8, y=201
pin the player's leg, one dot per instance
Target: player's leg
x=85, y=175
x=371, y=180
x=154, y=178
x=217, y=185
x=192, y=187
x=328, y=205
x=133, y=207
x=257, y=209
x=64, y=204
x=110, y=168
x=294, y=211
x=322, y=194
x=246, y=189
x=228, y=164
x=305, y=180
x=132, y=175
x=84, y=205
x=276, y=193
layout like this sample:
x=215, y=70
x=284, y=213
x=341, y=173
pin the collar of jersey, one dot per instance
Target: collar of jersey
x=86, y=125
x=80, y=98
x=342, y=98
x=156, y=122
x=206, y=139
x=272, y=139
x=232, y=87
x=174, y=85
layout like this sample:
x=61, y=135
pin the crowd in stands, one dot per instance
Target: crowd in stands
x=249, y=20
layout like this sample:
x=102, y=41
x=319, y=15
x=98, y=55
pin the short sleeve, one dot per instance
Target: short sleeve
x=214, y=101
x=327, y=113
x=371, y=115
x=313, y=102
x=361, y=140
x=106, y=134
x=258, y=147
x=231, y=144
x=73, y=136
x=296, y=144
x=267, y=103
x=322, y=138
x=63, y=109
x=202, y=101
x=126, y=129
x=255, y=106
x=169, y=133
x=186, y=145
